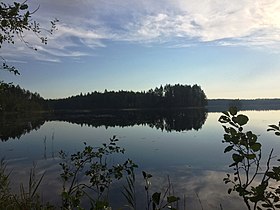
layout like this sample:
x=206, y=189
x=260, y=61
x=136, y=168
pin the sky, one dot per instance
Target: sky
x=230, y=48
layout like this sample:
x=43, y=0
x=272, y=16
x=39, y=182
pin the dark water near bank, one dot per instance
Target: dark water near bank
x=185, y=145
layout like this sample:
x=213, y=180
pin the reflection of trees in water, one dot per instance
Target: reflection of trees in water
x=169, y=120
x=181, y=120
x=15, y=125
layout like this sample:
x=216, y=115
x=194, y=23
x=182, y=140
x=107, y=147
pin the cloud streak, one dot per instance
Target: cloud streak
x=254, y=21
x=90, y=24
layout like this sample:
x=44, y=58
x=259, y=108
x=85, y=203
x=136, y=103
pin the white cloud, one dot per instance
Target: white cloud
x=90, y=24
x=45, y=58
x=60, y=53
x=16, y=61
x=251, y=22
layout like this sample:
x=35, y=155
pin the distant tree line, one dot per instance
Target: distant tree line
x=15, y=99
x=175, y=96
x=243, y=104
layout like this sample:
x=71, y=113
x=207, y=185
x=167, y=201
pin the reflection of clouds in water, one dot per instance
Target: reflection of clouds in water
x=196, y=185
x=51, y=185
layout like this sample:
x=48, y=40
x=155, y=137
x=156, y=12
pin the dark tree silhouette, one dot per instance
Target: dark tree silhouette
x=15, y=99
x=169, y=96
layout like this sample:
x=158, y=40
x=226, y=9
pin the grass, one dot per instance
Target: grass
x=27, y=198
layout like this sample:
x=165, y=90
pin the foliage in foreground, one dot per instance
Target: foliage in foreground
x=27, y=198
x=254, y=182
x=88, y=175
x=86, y=178
x=15, y=22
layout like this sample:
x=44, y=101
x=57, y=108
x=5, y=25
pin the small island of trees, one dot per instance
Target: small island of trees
x=169, y=96
x=16, y=99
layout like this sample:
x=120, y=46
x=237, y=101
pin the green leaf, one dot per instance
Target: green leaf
x=227, y=137
x=233, y=111
x=250, y=156
x=23, y=6
x=256, y=147
x=270, y=129
x=224, y=119
x=270, y=174
x=171, y=199
x=252, y=137
x=4, y=23
x=241, y=119
x=237, y=158
x=229, y=148
x=232, y=131
x=144, y=174
x=65, y=195
x=274, y=127
x=156, y=198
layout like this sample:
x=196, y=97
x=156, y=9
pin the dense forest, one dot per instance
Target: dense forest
x=15, y=99
x=161, y=97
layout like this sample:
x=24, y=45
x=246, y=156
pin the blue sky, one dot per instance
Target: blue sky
x=230, y=48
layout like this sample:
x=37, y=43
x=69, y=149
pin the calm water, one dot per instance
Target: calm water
x=191, y=155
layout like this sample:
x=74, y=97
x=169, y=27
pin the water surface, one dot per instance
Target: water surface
x=187, y=147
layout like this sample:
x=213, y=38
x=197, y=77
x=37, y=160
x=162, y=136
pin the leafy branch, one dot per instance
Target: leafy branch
x=15, y=21
x=91, y=166
x=246, y=156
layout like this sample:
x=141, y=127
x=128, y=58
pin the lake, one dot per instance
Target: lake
x=185, y=145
